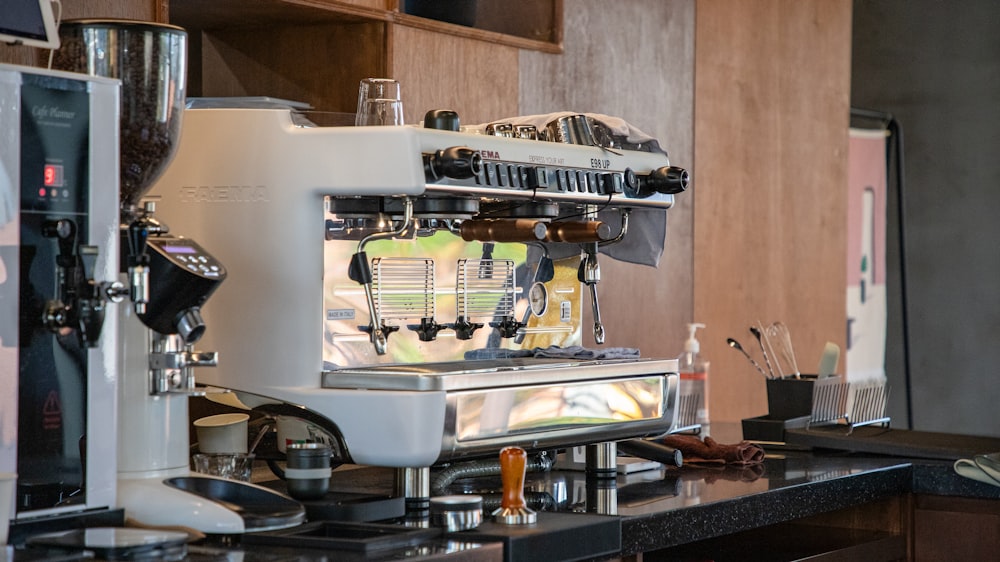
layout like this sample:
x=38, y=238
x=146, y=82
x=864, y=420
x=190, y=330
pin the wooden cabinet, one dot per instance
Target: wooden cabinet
x=955, y=528
x=316, y=51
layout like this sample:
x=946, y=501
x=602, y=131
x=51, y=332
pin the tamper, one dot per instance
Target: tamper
x=513, y=510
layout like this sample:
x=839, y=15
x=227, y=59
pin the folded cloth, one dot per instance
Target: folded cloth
x=496, y=353
x=711, y=451
x=614, y=126
x=976, y=469
x=578, y=352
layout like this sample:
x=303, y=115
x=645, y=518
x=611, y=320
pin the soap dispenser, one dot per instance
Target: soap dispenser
x=693, y=370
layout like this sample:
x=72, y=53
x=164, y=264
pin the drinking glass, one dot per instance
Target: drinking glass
x=234, y=466
x=379, y=102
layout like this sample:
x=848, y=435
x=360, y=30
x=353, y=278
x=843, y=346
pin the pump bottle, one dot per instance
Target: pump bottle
x=694, y=378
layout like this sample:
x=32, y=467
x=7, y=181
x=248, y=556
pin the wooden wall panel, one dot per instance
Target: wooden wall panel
x=476, y=78
x=296, y=62
x=772, y=87
x=635, y=61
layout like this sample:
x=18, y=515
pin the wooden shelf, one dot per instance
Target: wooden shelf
x=525, y=24
x=232, y=14
x=316, y=51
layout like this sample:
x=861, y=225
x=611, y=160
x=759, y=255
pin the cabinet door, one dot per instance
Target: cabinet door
x=947, y=528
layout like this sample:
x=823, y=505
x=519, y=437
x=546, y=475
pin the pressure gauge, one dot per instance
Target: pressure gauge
x=538, y=298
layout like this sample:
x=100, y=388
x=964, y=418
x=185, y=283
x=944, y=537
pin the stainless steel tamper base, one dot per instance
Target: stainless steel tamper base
x=457, y=513
x=514, y=516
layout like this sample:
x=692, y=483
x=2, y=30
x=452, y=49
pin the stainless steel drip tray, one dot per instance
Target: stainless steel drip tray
x=492, y=373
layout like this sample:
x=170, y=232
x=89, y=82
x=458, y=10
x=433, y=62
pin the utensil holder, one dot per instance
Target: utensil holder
x=790, y=398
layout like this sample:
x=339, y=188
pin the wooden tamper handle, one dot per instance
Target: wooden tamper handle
x=513, y=510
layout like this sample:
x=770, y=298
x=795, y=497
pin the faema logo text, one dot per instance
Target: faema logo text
x=224, y=194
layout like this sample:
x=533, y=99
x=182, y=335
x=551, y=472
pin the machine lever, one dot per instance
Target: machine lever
x=90, y=309
x=80, y=301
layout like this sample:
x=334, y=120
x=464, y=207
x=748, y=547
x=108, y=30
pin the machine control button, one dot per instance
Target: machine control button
x=630, y=181
x=573, y=179
x=536, y=177
x=562, y=182
x=490, y=174
x=503, y=176
x=609, y=183
x=514, y=173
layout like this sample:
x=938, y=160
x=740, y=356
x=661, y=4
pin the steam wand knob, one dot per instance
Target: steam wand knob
x=668, y=179
x=513, y=509
x=456, y=162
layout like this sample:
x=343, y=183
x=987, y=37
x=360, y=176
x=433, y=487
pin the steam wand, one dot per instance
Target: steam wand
x=589, y=274
x=360, y=271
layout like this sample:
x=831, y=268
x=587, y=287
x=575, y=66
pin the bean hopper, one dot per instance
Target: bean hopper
x=418, y=291
x=169, y=279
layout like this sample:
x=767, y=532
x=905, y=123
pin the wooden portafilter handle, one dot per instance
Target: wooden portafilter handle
x=578, y=232
x=513, y=509
x=503, y=230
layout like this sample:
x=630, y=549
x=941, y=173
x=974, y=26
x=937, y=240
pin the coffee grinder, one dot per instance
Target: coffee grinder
x=169, y=279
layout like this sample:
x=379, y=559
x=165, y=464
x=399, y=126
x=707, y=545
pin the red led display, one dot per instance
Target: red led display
x=53, y=175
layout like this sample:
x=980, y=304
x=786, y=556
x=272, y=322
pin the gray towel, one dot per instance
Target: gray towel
x=578, y=352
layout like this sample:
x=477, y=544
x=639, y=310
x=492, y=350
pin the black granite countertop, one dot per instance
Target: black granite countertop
x=666, y=507
x=792, y=483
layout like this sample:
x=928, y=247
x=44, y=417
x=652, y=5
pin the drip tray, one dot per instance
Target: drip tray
x=339, y=535
x=260, y=508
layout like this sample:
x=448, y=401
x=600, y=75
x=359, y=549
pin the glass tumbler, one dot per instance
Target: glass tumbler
x=379, y=102
x=234, y=466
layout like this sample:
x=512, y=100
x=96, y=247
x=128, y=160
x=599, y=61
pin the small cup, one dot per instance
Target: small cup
x=291, y=430
x=379, y=102
x=234, y=466
x=8, y=483
x=307, y=470
x=222, y=433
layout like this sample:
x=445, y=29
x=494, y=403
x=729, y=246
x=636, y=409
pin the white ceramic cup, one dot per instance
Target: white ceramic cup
x=8, y=483
x=222, y=433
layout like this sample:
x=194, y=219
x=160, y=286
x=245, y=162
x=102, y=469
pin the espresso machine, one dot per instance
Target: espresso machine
x=168, y=279
x=420, y=289
x=58, y=274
